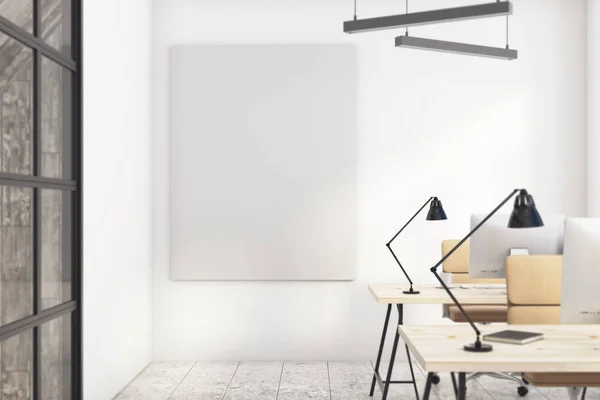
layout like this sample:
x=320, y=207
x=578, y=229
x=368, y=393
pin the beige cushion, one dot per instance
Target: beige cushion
x=534, y=315
x=533, y=279
x=459, y=260
x=464, y=279
x=563, y=379
x=478, y=313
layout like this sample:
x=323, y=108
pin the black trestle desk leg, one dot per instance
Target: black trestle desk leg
x=381, y=345
x=428, y=386
x=462, y=386
x=454, y=384
x=388, y=379
x=412, y=373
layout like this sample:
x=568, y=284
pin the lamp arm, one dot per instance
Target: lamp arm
x=436, y=266
x=388, y=244
x=401, y=267
x=409, y=221
x=447, y=289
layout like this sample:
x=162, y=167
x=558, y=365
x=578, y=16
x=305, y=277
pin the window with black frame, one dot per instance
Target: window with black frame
x=40, y=199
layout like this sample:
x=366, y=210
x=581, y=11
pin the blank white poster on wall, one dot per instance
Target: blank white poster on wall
x=263, y=162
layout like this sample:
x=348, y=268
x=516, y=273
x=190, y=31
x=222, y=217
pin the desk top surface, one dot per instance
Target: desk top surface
x=565, y=348
x=388, y=293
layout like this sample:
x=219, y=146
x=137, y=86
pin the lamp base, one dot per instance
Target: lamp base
x=411, y=292
x=478, y=347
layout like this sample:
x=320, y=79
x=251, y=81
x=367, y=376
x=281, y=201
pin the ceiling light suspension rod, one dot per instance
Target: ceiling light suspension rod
x=507, y=32
x=406, y=32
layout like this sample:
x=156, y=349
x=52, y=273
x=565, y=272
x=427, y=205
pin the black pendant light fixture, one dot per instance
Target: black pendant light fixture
x=412, y=42
x=499, y=8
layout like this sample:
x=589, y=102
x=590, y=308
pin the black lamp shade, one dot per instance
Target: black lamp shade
x=436, y=211
x=525, y=214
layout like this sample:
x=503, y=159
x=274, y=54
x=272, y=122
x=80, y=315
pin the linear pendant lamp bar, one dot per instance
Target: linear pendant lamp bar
x=496, y=9
x=455, y=47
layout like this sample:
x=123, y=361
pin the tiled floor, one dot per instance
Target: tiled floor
x=303, y=380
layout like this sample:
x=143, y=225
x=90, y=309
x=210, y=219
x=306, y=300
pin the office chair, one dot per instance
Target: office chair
x=533, y=285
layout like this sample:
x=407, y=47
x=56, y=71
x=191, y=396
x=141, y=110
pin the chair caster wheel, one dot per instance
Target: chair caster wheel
x=522, y=390
x=435, y=380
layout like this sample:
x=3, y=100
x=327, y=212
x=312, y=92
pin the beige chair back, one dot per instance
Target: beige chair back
x=533, y=289
x=458, y=264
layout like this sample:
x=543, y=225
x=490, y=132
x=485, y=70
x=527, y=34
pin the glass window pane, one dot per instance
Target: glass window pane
x=55, y=359
x=56, y=120
x=16, y=365
x=56, y=247
x=19, y=12
x=16, y=256
x=56, y=24
x=16, y=94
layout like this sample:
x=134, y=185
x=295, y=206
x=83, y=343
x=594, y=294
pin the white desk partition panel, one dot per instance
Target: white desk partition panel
x=580, y=295
x=263, y=162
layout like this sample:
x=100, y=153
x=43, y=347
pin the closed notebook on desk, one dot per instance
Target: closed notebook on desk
x=513, y=337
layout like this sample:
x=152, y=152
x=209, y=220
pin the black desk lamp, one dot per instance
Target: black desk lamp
x=524, y=215
x=436, y=213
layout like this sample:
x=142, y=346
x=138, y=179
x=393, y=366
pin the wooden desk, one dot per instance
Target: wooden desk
x=391, y=294
x=387, y=293
x=565, y=348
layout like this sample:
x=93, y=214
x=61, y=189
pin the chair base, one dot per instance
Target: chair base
x=522, y=389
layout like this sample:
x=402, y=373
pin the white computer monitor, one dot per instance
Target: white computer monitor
x=494, y=241
x=580, y=293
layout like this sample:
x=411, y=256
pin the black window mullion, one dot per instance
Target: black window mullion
x=37, y=18
x=36, y=366
x=37, y=292
x=37, y=162
x=77, y=197
x=28, y=323
x=37, y=197
x=10, y=179
x=72, y=188
x=37, y=43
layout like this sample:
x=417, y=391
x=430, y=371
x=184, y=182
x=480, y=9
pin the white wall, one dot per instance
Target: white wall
x=593, y=107
x=466, y=129
x=117, y=194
